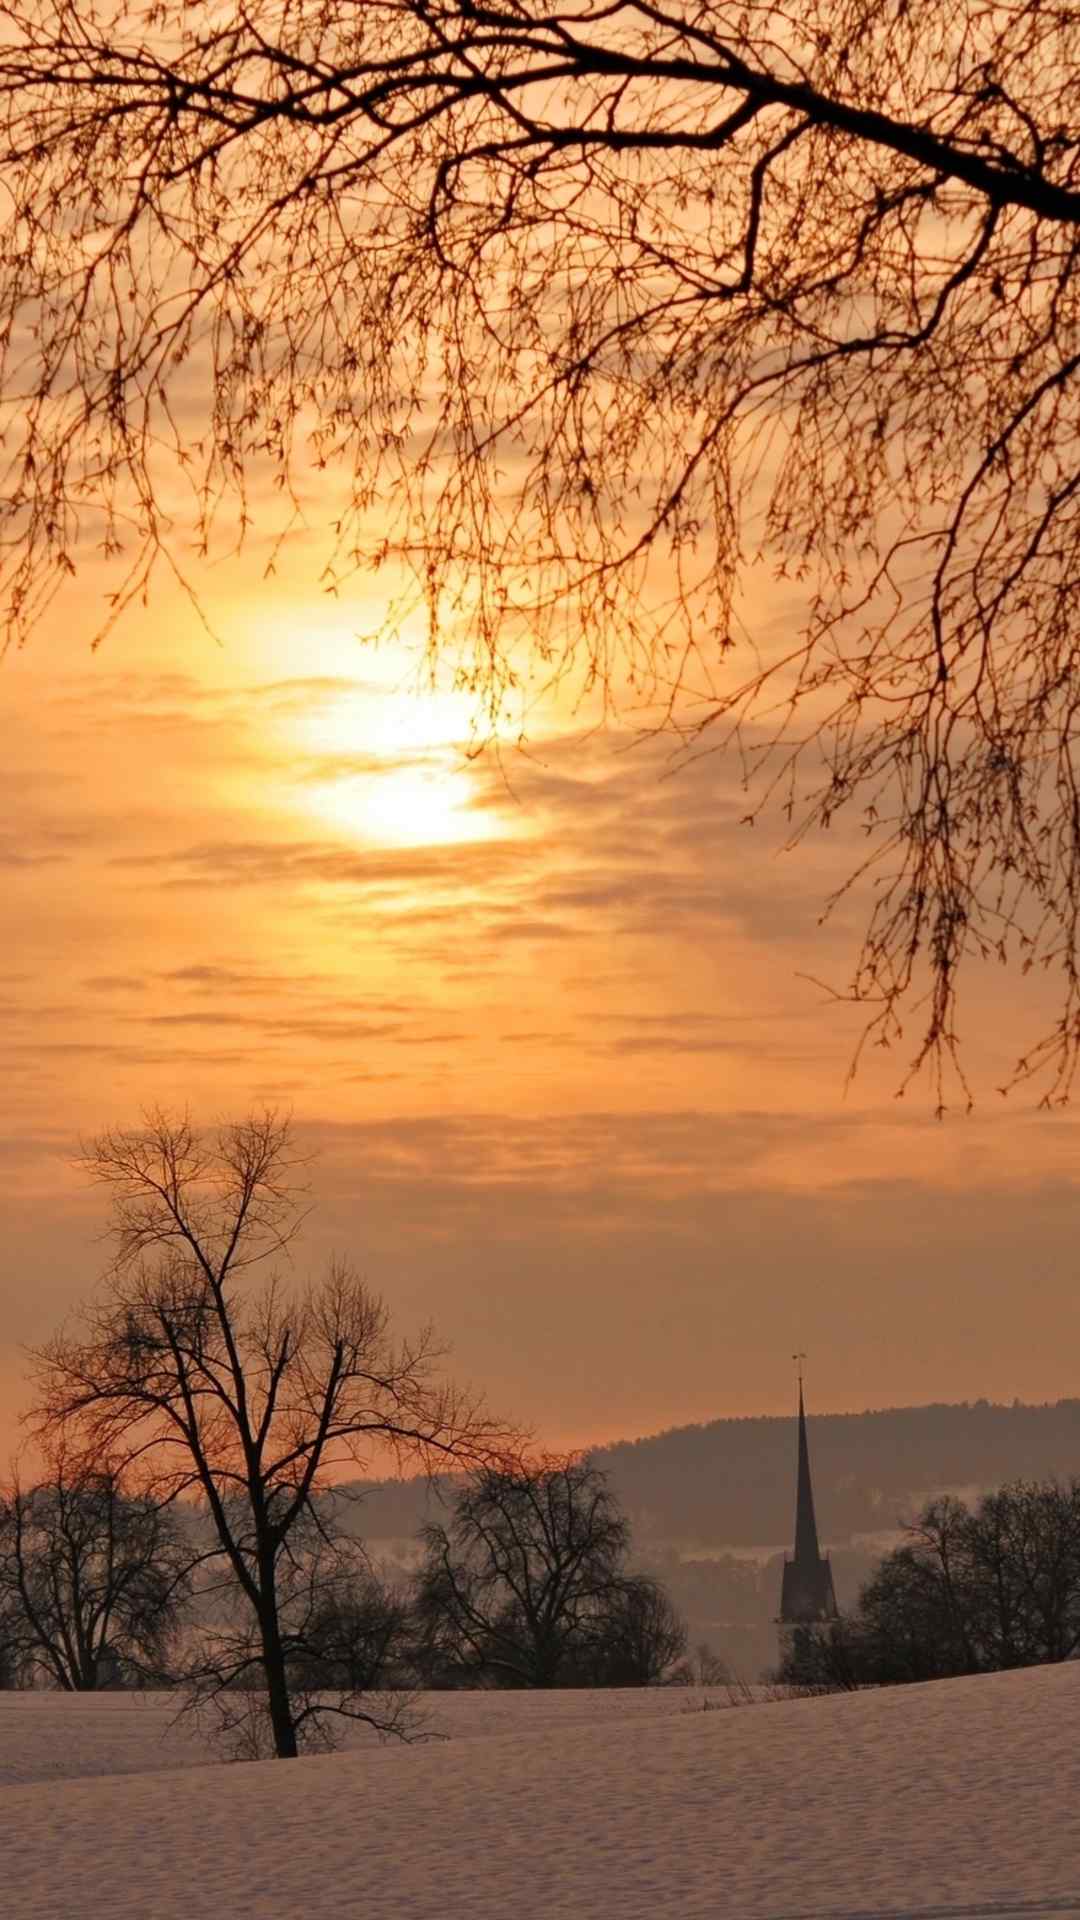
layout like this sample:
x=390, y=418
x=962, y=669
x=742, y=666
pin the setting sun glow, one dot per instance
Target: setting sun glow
x=389, y=766
x=426, y=804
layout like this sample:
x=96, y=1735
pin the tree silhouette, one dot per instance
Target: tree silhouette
x=196, y=1378
x=92, y=1579
x=526, y=1586
x=343, y=1641
x=589, y=308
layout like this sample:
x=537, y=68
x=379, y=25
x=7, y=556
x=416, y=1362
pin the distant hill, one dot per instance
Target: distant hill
x=731, y=1483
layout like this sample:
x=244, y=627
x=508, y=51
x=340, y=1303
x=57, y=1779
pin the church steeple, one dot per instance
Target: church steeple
x=807, y=1551
x=807, y=1594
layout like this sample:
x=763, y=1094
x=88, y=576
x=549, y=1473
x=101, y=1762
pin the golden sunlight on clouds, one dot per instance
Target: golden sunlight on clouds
x=427, y=805
x=391, y=768
x=413, y=721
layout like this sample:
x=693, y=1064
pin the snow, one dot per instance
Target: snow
x=943, y=1802
x=48, y=1736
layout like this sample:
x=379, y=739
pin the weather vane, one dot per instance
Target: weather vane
x=798, y=1359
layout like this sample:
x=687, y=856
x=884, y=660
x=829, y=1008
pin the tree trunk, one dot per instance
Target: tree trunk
x=277, y=1686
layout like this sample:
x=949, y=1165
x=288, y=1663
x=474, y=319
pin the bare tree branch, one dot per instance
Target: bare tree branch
x=581, y=310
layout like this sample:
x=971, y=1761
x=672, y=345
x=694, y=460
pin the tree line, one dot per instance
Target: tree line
x=971, y=1589
x=524, y=1585
x=198, y=1374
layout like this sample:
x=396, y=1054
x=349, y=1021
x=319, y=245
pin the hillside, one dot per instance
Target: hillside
x=730, y=1483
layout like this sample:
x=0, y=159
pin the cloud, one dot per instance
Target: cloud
x=328, y=768
x=216, y=979
x=504, y=928
x=40, y=843
x=300, y=694
x=42, y=1051
x=285, y=862
x=116, y=983
x=12, y=856
x=270, y=1025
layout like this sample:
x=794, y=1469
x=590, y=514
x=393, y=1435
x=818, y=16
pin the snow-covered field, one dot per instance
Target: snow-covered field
x=942, y=1802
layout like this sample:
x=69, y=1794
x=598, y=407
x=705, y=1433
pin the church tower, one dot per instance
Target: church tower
x=807, y=1596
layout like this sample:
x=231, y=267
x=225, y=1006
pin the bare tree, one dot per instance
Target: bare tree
x=526, y=1586
x=354, y=1631
x=970, y=1590
x=92, y=1580
x=586, y=307
x=1025, y=1555
x=343, y=1641
x=10, y=1647
x=637, y=1638
x=255, y=1395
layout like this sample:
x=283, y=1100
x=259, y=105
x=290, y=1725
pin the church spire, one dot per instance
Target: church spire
x=807, y=1593
x=807, y=1551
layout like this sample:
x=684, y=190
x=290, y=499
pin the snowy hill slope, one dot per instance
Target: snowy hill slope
x=58, y=1736
x=941, y=1802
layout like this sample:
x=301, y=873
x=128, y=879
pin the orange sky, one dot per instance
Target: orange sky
x=547, y=1023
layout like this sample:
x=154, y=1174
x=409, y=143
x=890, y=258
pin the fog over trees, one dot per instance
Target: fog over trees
x=596, y=319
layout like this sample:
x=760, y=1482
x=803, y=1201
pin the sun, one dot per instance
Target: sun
x=425, y=803
x=388, y=765
x=391, y=722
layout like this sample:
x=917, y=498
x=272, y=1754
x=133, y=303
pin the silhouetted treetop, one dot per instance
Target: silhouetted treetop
x=588, y=309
